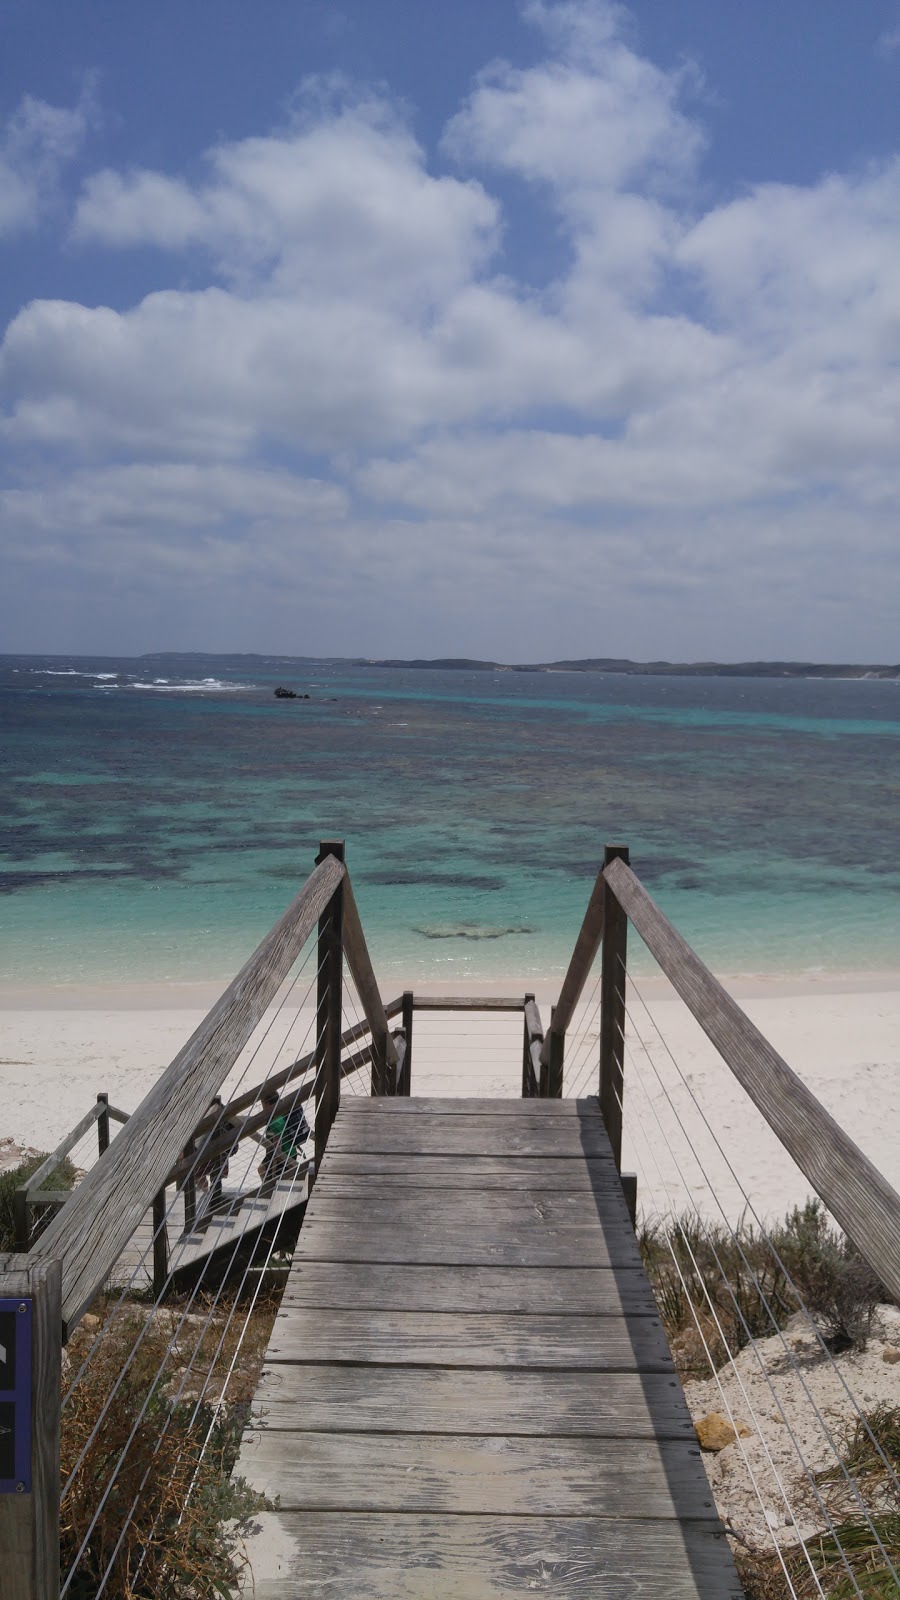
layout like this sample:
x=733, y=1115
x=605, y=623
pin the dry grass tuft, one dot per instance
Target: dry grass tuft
x=172, y=1519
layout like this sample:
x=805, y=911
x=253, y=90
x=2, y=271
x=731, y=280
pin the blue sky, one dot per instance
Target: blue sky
x=388, y=327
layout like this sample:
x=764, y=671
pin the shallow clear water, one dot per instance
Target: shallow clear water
x=158, y=815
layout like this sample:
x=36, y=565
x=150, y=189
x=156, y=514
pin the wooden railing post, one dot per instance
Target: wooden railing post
x=103, y=1124
x=404, y=1081
x=532, y=1045
x=190, y=1187
x=328, y=1005
x=30, y=1361
x=160, y=1244
x=379, y=1063
x=612, y=1008
x=527, y=1069
x=552, y=1068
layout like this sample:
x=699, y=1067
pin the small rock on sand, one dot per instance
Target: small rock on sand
x=715, y=1432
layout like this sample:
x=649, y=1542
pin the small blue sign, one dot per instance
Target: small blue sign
x=15, y=1396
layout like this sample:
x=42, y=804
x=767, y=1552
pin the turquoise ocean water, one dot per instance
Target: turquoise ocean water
x=159, y=813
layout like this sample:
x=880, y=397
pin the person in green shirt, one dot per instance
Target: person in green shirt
x=285, y=1134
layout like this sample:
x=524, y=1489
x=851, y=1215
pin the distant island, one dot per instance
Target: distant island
x=618, y=664
x=661, y=669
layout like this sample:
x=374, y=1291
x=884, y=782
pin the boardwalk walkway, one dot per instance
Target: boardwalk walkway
x=468, y=1392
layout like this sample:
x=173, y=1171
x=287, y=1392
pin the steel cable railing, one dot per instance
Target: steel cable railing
x=823, y=1517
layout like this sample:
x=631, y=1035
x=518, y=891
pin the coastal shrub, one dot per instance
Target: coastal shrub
x=835, y=1283
x=172, y=1520
x=716, y=1290
x=62, y=1178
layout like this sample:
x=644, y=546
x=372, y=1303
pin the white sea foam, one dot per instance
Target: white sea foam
x=191, y=686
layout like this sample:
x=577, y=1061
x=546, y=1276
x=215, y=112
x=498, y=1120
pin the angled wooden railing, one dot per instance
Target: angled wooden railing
x=92, y=1230
x=857, y=1195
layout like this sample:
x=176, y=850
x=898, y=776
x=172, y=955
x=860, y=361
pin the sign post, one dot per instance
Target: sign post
x=30, y=1355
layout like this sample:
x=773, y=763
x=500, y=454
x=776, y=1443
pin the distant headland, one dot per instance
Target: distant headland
x=662, y=669
x=618, y=664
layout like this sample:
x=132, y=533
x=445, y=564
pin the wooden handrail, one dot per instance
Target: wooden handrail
x=855, y=1192
x=69, y=1142
x=273, y=1080
x=467, y=1002
x=586, y=946
x=358, y=960
x=90, y=1233
x=226, y=1143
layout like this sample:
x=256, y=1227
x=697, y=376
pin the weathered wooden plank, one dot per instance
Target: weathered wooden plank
x=861, y=1200
x=496, y=1475
x=569, y=1291
x=469, y=1106
x=393, y=1186
x=468, y=1002
x=516, y=1214
x=477, y=1246
x=344, y=1399
x=490, y=1339
x=469, y=1136
x=475, y=1172
x=416, y=1557
x=90, y=1231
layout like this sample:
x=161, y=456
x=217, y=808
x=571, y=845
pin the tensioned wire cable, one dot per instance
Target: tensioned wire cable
x=764, y=1235
x=714, y=1371
x=581, y=1057
x=235, y=1205
x=173, y=1400
x=142, y=1412
x=770, y=1314
x=751, y=1341
x=191, y=1171
x=224, y=1385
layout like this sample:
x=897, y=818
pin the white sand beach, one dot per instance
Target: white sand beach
x=61, y=1047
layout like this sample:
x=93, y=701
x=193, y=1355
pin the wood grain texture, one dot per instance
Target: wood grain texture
x=516, y=1211
x=493, y=1474
x=106, y=1208
x=462, y=1397
x=855, y=1192
x=468, y=1002
x=484, y=1110
x=469, y=1136
x=475, y=1172
x=307, y=1555
x=293, y=1398
x=567, y=1291
x=482, y=1246
x=489, y=1339
x=392, y=1186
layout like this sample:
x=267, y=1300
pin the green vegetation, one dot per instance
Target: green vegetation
x=62, y=1178
x=174, y=1519
x=717, y=1289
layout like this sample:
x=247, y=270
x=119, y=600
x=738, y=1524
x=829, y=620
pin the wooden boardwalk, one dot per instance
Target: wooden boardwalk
x=468, y=1393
